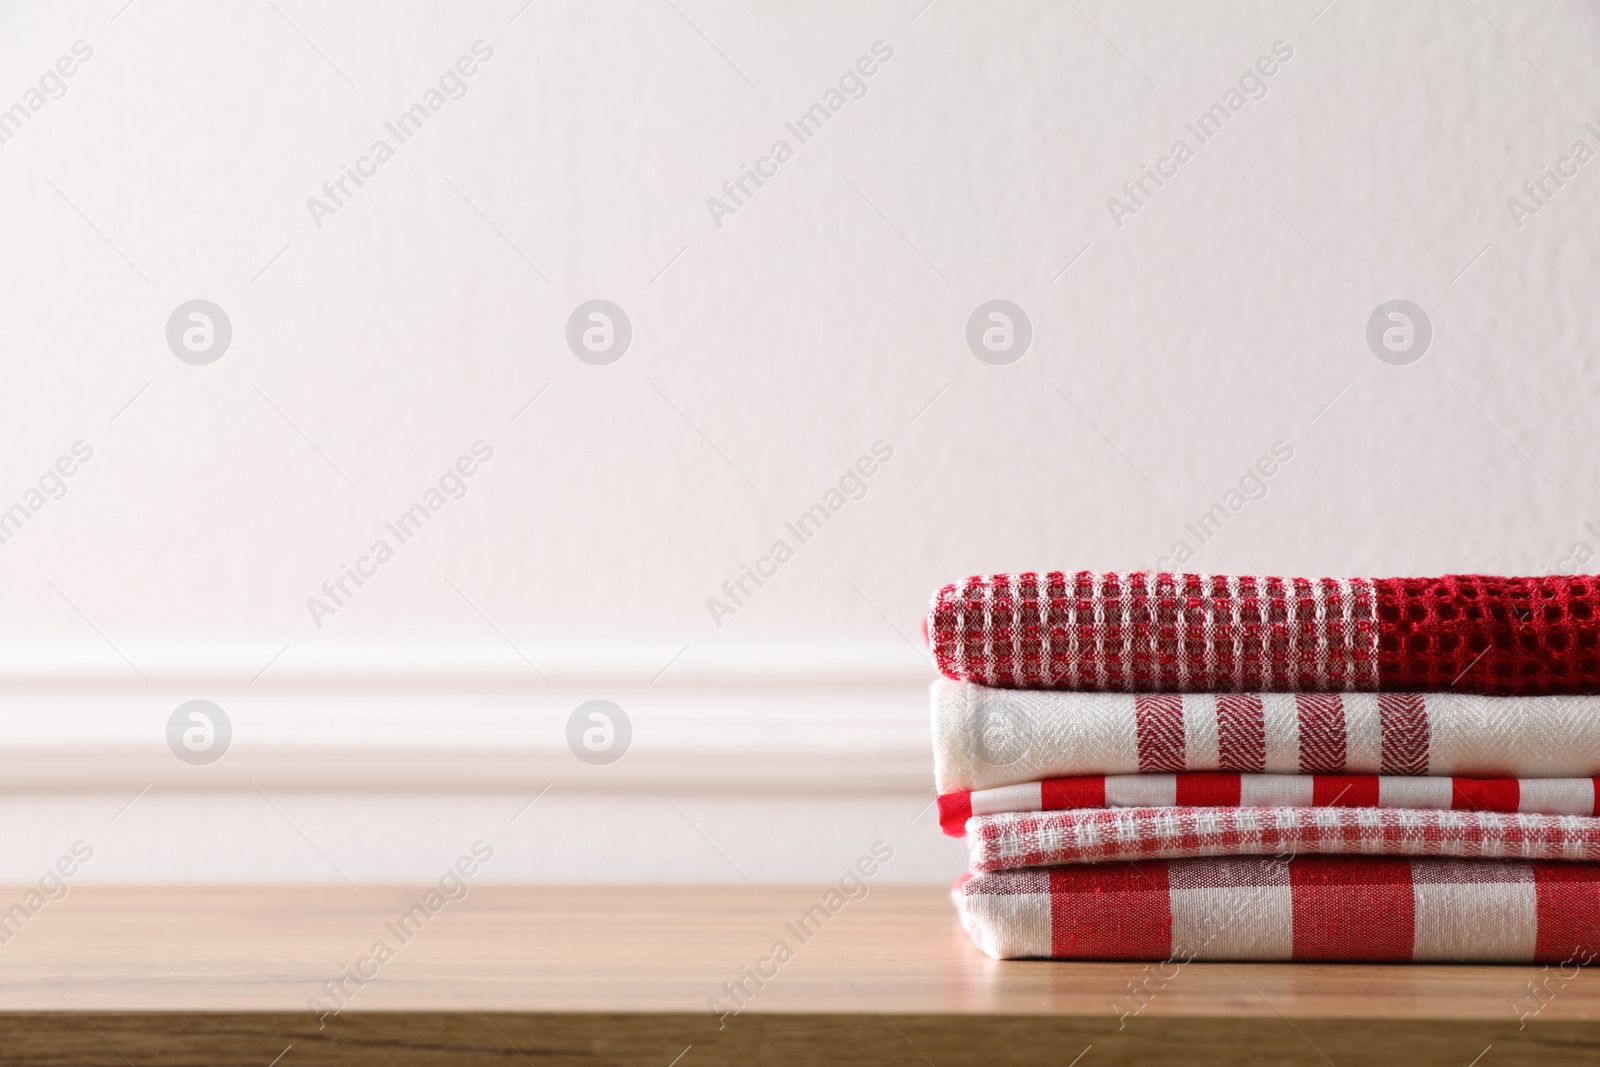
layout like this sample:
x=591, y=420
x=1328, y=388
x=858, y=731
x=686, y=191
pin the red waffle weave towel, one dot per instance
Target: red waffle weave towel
x=1306, y=908
x=1101, y=835
x=1193, y=633
x=985, y=737
x=1223, y=789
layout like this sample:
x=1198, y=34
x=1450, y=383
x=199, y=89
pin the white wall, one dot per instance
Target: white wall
x=768, y=353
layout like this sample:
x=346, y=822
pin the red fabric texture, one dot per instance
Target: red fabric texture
x=954, y=810
x=1404, y=719
x=1322, y=733
x=1484, y=794
x=1341, y=902
x=1057, y=794
x=1097, y=915
x=1171, y=633
x=1358, y=791
x=1484, y=634
x=1101, y=835
x=1302, y=908
x=1222, y=789
x=1241, y=732
x=1149, y=632
x=1158, y=724
x=1569, y=911
x=1206, y=789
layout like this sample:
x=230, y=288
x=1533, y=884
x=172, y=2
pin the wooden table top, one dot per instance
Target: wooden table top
x=633, y=974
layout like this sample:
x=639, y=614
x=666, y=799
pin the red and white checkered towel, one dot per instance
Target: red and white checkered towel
x=1149, y=632
x=1098, y=835
x=985, y=737
x=1306, y=908
x=1224, y=789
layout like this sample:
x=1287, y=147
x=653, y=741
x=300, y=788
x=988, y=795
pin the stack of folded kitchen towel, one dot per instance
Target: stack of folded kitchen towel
x=1184, y=766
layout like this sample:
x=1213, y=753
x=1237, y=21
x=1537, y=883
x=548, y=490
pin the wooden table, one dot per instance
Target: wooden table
x=552, y=976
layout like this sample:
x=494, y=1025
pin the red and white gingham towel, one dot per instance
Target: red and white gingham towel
x=1306, y=908
x=985, y=737
x=1098, y=835
x=1149, y=632
x=1223, y=789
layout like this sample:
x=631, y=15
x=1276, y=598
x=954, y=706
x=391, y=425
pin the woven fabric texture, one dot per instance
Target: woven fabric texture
x=1100, y=835
x=1523, y=636
x=985, y=737
x=1305, y=908
x=1224, y=789
x=1186, y=633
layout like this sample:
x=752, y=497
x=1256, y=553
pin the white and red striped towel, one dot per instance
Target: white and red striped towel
x=985, y=737
x=1099, y=835
x=1227, y=789
x=1306, y=908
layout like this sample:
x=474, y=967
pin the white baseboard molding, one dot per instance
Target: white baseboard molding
x=405, y=717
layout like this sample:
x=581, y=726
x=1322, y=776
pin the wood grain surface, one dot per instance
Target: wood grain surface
x=585, y=975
